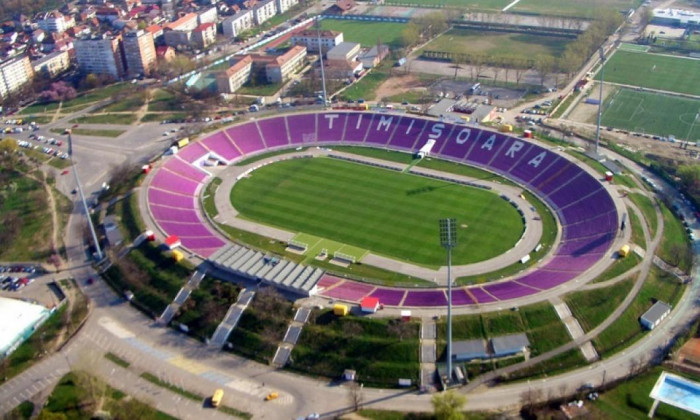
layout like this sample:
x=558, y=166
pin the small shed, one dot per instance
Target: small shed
x=349, y=375
x=465, y=350
x=405, y=315
x=370, y=305
x=340, y=309
x=654, y=315
x=507, y=345
x=624, y=251
x=172, y=242
x=149, y=235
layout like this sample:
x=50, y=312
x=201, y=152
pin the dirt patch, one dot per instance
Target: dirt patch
x=588, y=113
x=399, y=84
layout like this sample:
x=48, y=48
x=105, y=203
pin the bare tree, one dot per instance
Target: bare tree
x=355, y=395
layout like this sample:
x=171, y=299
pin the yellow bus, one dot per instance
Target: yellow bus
x=216, y=398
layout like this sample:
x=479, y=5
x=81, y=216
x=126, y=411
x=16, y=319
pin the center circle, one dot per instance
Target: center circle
x=386, y=212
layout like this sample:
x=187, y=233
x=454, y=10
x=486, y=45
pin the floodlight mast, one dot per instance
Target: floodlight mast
x=98, y=250
x=448, y=240
x=601, y=52
x=320, y=58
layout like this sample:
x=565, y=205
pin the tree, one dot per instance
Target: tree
x=448, y=405
x=355, y=395
x=410, y=35
x=544, y=65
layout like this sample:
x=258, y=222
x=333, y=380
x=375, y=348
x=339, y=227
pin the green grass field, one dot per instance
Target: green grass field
x=654, y=71
x=366, y=33
x=490, y=5
x=592, y=307
x=317, y=244
x=652, y=113
x=494, y=44
x=574, y=8
x=389, y=213
x=675, y=244
x=646, y=206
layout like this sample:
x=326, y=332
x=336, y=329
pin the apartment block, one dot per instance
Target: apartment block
x=139, y=52
x=14, y=73
x=100, y=54
x=235, y=76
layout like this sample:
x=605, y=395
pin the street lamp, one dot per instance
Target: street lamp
x=98, y=250
x=601, y=52
x=448, y=240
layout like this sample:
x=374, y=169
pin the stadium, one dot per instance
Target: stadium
x=588, y=213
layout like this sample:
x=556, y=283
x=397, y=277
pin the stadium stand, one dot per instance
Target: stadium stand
x=585, y=209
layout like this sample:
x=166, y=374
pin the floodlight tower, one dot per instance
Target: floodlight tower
x=100, y=255
x=320, y=58
x=448, y=240
x=601, y=52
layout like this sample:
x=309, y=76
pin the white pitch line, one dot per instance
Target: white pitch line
x=513, y=3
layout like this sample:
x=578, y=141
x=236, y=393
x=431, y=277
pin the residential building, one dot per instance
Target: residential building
x=676, y=17
x=165, y=53
x=186, y=23
x=101, y=54
x=55, y=21
x=52, y=64
x=654, y=315
x=156, y=31
x=340, y=7
x=14, y=73
x=345, y=51
x=240, y=22
x=339, y=70
x=208, y=16
x=139, y=52
x=204, y=35
x=175, y=38
x=466, y=350
x=263, y=11
x=235, y=76
x=283, y=66
x=506, y=345
x=311, y=39
x=372, y=57
x=284, y=5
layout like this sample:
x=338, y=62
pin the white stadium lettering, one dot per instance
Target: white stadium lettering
x=489, y=143
x=537, y=160
x=386, y=122
x=464, y=135
x=436, y=131
x=410, y=126
x=515, y=147
x=330, y=118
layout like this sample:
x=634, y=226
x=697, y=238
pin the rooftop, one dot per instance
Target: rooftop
x=656, y=312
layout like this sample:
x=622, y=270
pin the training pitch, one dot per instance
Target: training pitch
x=385, y=212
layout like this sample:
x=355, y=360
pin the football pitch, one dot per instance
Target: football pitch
x=652, y=113
x=382, y=211
x=654, y=71
x=366, y=33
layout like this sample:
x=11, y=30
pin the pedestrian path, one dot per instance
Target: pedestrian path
x=574, y=328
x=218, y=339
x=284, y=350
x=428, y=353
x=181, y=297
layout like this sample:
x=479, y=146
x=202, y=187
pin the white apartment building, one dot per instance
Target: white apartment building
x=235, y=24
x=284, y=5
x=100, y=55
x=14, y=73
x=264, y=11
x=310, y=39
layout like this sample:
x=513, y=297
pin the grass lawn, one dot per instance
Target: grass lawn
x=626, y=330
x=25, y=218
x=400, y=210
x=366, y=33
x=125, y=119
x=206, y=307
x=40, y=108
x=674, y=242
x=496, y=44
x=208, y=197
x=592, y=307
x=574, y=8
x=261, y=89
x=162, y=100
x=637, y=233
x=646, y=206
x=151, y=117
x=630, y=399
x=621, y=265
x=652, y=113
x=39, y=119
x=492, y=5
x=366, y=87
x=675, y=74
x=76, y=397
x=131, y=103
x=563, y=362
x=381, y=350
x=98, y=133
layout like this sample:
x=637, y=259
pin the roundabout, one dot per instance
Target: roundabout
x=587, y=212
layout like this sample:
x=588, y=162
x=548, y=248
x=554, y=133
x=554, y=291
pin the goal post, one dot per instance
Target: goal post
x=303, y=246
x=343, y=256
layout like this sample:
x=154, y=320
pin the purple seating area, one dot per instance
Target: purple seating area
x=461, y=297
x=381, y=129
x=593, y=245
x=391, y=297
x=407, y=132
x=425, y=298
x=584, y=209
x=165, y=198
x=509, y=290
x=247, y=137
x=302, y=128
x=168, y=181
x=486, y=147
x=573, y=263
x=184, y=230
x=205, y=242
x=192, y=152
x=480, y=295
x=222, y=146
x=328, y=281
x=180, y=167
x=550, y=182
x=504, y=161
x=330, y=126
x=533, y=164
x=465, y=136
x=357, y=126
x=171, y=214
x=350, y=291
x=543, y=279
x=606, y=222
x=274, y=131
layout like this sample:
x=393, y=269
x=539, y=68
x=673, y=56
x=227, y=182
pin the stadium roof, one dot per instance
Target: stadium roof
x=469, y=349
x=509, y=344
x=17, y=321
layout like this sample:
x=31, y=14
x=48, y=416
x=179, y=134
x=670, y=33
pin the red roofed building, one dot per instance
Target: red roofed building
x=204, y=35
x=283, y=66
x=165, y=52
x=369, y=304
x=235, y=76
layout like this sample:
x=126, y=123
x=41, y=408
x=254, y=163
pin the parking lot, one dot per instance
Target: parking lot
x=30, y=283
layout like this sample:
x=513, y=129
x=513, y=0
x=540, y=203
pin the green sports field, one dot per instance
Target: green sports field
x=389, y=213
x=466, y=4
x=652, y=113
x=654, y=71
x=574, y=8
x=366, y=33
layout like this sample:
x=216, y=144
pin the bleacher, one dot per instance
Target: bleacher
x=255, y=265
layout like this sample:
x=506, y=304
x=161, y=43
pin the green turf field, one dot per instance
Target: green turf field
x=366, y=33
x=654, y=71
x=316, y=245
x=633, y=47
x=574, y=8
x=496, y=44
x=652, y=113
x=467, y=4
x=388, y=213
